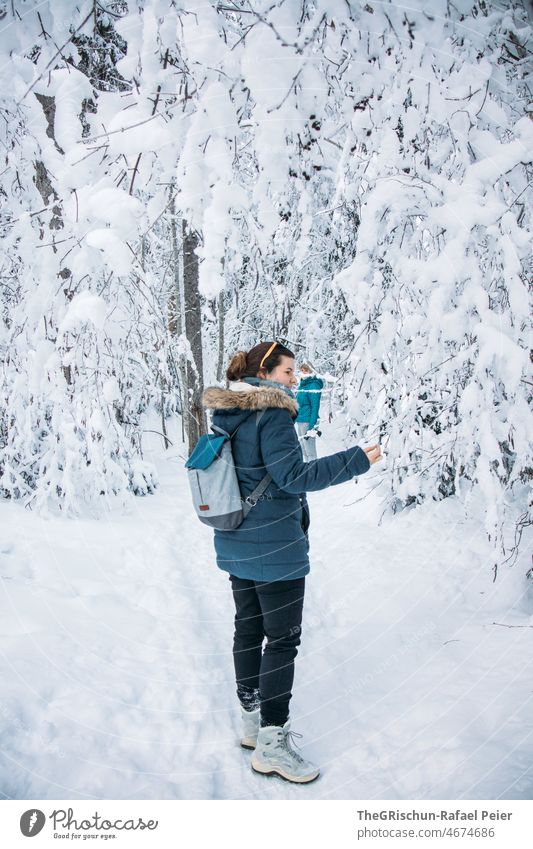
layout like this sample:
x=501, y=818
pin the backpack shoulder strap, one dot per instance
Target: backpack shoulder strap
x=221, y=430
x=231, y=435
x=251, y=499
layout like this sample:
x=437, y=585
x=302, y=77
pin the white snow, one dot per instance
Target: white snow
x=115, y=252
x=84, y=307
x=413, y=679
x=69, y=87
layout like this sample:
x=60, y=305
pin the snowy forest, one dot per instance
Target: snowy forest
x=180, y=181
x=183, y=180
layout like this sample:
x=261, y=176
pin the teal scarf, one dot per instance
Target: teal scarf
x=259, y=381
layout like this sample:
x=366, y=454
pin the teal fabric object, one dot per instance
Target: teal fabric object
x=205, y=451
x=309, y=402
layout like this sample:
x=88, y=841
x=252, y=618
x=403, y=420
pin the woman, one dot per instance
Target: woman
x=267, y=555
x=308, y=400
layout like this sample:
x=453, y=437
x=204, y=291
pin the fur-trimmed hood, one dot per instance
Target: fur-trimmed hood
x=251, y=398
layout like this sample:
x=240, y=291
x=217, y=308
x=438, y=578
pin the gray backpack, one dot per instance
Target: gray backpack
x=214, y=484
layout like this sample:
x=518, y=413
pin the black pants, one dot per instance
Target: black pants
x=272, y=610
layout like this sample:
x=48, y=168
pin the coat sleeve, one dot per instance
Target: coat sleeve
x=282, y=456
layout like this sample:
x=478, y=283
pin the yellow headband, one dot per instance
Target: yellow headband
x=267, y=353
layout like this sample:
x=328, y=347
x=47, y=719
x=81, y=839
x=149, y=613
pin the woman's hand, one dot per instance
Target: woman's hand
x=373, y=453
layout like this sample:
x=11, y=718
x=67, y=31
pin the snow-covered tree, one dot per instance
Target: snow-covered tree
x=354, y=179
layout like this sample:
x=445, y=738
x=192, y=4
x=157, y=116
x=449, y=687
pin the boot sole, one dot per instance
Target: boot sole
x=246, y=745
x=279, y=772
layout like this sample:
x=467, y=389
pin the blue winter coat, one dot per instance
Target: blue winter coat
x=272, y=544
x=309, y=401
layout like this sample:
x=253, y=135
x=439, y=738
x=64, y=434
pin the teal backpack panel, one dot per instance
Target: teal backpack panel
x=206, y=450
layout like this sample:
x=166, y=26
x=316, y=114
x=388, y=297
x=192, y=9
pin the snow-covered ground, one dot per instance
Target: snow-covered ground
x=117, y=674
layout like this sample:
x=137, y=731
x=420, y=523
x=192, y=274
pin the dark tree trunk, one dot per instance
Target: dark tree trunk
x=194, y=413
x=221, y=316
x=176, y=309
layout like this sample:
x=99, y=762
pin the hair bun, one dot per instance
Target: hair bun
x=237, y=366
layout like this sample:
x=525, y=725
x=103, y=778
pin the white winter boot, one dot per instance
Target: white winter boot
x=274, y=755
x=250, y=727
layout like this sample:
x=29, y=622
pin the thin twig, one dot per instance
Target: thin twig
x=512, y=626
